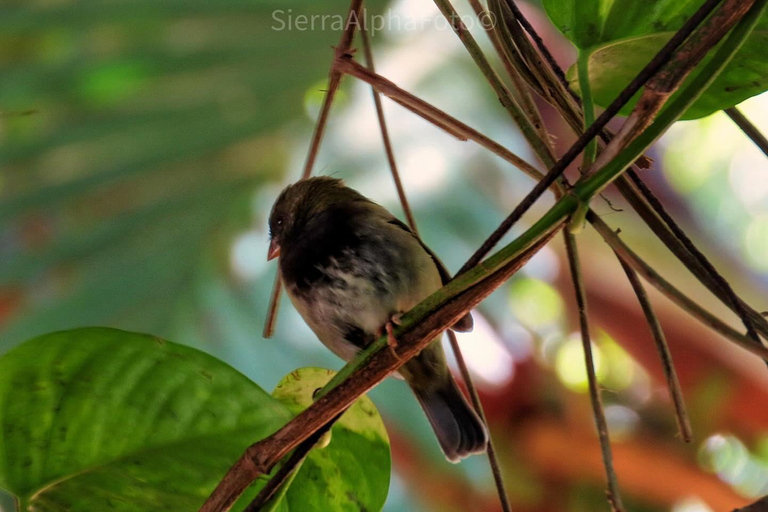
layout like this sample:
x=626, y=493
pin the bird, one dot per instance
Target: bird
x=351, y=269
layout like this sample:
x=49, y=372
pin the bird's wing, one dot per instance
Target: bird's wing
x=465, y=323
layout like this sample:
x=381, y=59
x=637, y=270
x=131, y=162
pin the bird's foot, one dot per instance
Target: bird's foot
x=389, y=327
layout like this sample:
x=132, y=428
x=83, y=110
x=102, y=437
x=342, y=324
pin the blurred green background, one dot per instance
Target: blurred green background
x=142, y=143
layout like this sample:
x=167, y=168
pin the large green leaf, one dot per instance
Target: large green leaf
x=103, y=419
x=621, y=36
x=352, y=473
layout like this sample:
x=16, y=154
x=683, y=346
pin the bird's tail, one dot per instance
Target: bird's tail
x=459, y=430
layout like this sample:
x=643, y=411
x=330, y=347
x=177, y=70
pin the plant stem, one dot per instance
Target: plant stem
x=675, y=392
x=589, y=109
x=385, y=134
x=595, y=183
x=281, y=480
x=662, y=285
x=640, y=197
x=614, y=498
x=498, y=478
x=433, y=114
x=529, y=131
x=749, y=129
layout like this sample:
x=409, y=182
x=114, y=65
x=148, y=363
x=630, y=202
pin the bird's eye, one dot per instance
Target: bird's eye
x=280, y=222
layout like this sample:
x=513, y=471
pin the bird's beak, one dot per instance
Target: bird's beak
x=274, y=250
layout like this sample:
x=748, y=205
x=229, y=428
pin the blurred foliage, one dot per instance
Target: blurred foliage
x=132, y=135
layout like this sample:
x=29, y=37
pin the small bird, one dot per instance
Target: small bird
x=351, y=268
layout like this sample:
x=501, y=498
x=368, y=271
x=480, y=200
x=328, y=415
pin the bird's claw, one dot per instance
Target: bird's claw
x=390, y=328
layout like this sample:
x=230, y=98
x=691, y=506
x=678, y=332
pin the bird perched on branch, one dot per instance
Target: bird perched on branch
x=351, y=269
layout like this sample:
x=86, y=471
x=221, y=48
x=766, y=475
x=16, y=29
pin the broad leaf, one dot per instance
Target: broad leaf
x=621, y=36
x=351, y=474
x=102, y=419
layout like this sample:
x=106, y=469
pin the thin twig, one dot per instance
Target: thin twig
x=498, y=478
x=614, y=498
x=385, y=134
x=274, y=303
x=540, y=146
x=665, y=287
x=433, y=114
x=527, y=104
x=334, y=79
x=703, y=261
x=749, y=129
x=675, y=392
x=643, y=201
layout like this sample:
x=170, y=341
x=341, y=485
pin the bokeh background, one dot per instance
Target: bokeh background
x=142, y=143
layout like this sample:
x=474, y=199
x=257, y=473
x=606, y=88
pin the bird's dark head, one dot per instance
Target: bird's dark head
x=301, y=207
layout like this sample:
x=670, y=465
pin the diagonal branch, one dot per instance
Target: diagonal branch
x=640, y=197
x=675, y=393
x=749, y=129
x=432, y=114
x=675, y=295
x=667, y=80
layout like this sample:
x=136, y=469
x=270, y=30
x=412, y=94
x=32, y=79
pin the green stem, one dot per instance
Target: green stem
x=589, y=109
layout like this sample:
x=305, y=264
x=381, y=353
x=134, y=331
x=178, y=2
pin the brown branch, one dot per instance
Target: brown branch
x=434, y=115
x=334, y=79
x=262, y=456
x=749, y=129
x=675, y=392
x=649, y=208
x=702, y=260
x=289, y=466
x=385, y=134
x=540, y=146
x=524, y=98
x=614, y=498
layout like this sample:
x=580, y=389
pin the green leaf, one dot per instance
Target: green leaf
x=621, y=36
x=102, y=419
x=352, y=472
